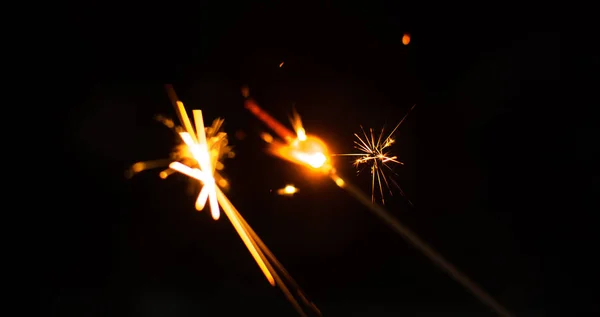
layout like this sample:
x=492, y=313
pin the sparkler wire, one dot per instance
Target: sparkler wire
x=427, y=250
x=272, y=261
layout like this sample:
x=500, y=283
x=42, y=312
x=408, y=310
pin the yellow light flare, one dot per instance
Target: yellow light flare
x=288, y=190
x=199, y=157
x=166, y=173
x=201, y=153
x=297, y=125
x=199, y=175
x=338, y=181
x=297, y=146
x=311, y=153
x=301, y=134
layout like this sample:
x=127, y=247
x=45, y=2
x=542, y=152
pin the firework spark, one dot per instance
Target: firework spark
x=375, y=153
x=199, y=157
x=288, y=190
x=297, y=147
x=294, y=151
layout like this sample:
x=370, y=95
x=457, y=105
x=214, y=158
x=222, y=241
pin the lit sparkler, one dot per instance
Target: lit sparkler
x=199, y=157
x=375, y=152
x=312, y=153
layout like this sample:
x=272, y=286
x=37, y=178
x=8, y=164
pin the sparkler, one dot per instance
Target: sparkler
x=200, y=157
x=304, y=151
x=375, y=153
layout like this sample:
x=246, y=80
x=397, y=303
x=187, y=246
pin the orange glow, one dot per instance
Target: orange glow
x=288, y=190
x=300, y=148
x=338, y=181
x=311, y=153
x=281, y=65
x=406, y=39
x=266, y=137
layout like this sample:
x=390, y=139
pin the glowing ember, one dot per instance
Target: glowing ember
x=406, y=39
x=288, y=190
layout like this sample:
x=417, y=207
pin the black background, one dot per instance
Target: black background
x=494, y=154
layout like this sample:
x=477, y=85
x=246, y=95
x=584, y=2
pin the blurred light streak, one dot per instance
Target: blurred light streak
x=199, y=158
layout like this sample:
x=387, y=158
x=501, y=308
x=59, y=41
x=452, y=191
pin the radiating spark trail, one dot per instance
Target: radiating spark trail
x=375, y=154
x=199, y=158
x=390, y=220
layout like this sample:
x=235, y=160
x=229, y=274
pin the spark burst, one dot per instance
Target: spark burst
x=316, y=157
x=200, y=157
x=375, y=153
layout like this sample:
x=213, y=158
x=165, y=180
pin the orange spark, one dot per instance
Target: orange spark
x=281, y=65
x=298, y=147
x=406, y=38
x=374, y=152
x=288, y=190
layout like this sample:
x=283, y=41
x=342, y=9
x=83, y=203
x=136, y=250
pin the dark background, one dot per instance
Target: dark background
x=495, y=155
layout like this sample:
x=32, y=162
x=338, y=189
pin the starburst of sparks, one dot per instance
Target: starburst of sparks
x=200, y=157
x=303, y=155
x=375, y=153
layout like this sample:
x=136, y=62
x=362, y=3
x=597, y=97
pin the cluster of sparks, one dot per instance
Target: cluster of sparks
x=374, y=152
x=199, y=157
x=311, y=152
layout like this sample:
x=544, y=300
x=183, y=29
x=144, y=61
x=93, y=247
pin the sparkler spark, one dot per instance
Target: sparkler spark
x=297, y=147
x=375, y=152
x=304, y=158
x=199, y=157
x=288, y=190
